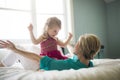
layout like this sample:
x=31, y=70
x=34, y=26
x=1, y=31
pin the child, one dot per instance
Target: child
x=48, y=40
x=85, y=49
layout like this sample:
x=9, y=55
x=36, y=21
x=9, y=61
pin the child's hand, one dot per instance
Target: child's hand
x=30, y=27
x=70, y=35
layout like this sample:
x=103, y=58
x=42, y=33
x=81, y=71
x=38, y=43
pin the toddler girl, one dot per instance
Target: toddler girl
x=48, y=40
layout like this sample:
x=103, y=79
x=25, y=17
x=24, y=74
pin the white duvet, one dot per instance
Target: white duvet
x=105, y=69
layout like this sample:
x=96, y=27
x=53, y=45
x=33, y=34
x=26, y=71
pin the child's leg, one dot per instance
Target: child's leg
x=9, y=60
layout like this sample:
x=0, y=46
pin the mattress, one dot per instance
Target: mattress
x=104, y=69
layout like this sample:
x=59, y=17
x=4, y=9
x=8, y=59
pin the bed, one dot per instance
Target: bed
x=104, y=69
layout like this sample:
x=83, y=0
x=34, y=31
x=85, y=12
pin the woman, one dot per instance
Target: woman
x=85, y=49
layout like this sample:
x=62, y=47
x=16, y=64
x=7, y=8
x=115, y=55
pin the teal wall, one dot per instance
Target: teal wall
x=90, y=17
x=113, y=18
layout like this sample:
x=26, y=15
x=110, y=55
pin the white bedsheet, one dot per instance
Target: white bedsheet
x=105, y=69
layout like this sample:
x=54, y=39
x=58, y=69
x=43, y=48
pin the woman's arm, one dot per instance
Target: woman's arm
x=11, y=46
x=70, y=48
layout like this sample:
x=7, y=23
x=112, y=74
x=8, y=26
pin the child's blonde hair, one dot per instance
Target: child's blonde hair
x=50, y=23
x=89, y=45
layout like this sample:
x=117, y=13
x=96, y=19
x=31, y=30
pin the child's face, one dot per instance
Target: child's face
x=53, y=31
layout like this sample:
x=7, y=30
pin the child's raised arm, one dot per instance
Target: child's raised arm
x=64, y=44
x=33, y=39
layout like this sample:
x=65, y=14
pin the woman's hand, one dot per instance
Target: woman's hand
x=7, y=44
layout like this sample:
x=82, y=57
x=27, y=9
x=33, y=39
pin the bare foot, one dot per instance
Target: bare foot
x=1, y=65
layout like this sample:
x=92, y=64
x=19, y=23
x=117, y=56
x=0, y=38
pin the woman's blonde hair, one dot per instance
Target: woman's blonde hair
x=89, y=45
x=50, y=23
